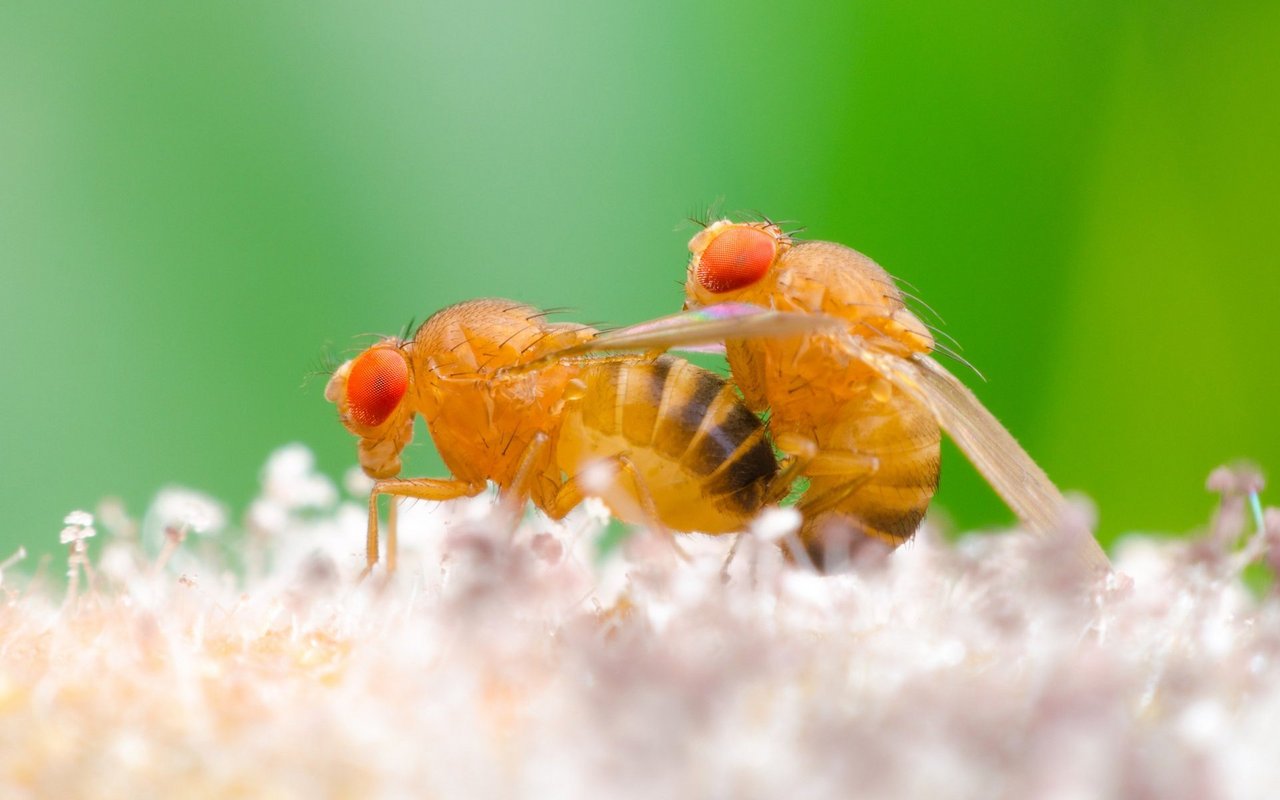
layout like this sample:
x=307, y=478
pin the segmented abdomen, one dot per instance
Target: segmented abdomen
x=904, y=438
x=702, y=456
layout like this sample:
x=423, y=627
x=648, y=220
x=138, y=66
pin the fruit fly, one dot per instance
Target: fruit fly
x=857, y=407
x=508, y=399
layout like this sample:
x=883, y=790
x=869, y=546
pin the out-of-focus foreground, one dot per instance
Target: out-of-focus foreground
x=507, y=662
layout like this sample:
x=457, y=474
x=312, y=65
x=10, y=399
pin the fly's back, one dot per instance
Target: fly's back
x=482, y=426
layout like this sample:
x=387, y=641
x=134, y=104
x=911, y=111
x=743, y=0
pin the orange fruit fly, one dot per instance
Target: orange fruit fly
x=513, y=399
x=857, y=406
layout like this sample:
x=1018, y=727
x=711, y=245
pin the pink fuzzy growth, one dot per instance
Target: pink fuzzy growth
x=521, y=663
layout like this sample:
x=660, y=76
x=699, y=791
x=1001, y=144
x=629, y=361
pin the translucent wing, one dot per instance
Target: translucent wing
x=1016, y=478
x=711, y=325
x=714, y=349
x=700, y=329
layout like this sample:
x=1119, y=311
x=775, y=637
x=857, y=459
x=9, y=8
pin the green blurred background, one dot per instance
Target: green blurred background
x=196, y=198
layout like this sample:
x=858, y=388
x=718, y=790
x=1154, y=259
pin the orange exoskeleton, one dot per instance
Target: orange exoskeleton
x=857, y=405
x=507, y=401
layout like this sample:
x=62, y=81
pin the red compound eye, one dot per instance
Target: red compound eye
x=376, y=384
x=736, y=258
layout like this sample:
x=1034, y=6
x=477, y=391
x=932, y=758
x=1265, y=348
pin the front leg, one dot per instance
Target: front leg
x=418, y=488
x=610, y=470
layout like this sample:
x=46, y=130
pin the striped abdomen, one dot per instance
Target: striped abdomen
x=904, y=438
x=702, y=456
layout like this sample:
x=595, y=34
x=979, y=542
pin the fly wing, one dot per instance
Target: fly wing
x=709, y=326
x=699, y=329
x=1011, y=472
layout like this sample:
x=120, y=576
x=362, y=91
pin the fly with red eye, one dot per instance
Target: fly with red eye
x=376, y=384
x=738, y=257
x=509, y=399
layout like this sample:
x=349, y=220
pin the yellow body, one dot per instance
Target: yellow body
x=682, y=447
x=483, y=427
x=867, y=435
x=703, y=456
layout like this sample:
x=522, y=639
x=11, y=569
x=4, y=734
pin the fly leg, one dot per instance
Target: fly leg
x=439, y=489
x=805, y=457
x=856, y=469
x=728, y=559
x=585, y=484
x=417, y=488
x=853, y=472
x=800, y=450
x=514, y=494
x=393, y=524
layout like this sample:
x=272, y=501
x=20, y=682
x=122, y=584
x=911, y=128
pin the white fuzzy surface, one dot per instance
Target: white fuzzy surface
x=514, y=663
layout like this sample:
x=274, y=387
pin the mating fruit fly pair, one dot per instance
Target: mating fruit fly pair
x=815, y=333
